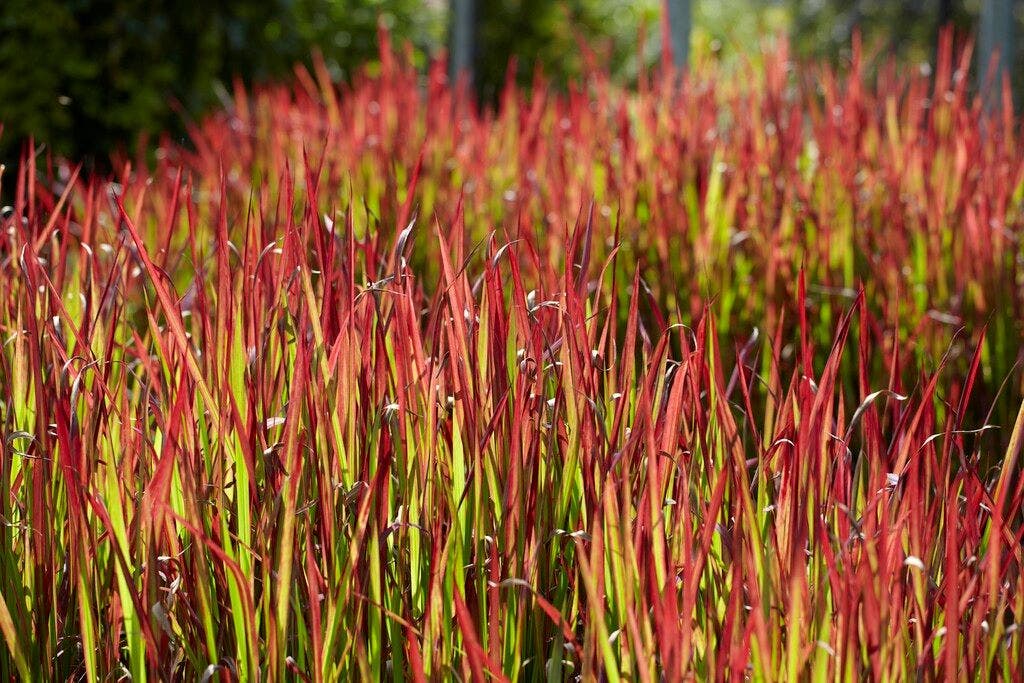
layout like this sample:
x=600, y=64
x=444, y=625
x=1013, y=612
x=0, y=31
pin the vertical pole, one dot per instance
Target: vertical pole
x=679, y=21
x=945, y=12
x=995, y=36
x=462, y=39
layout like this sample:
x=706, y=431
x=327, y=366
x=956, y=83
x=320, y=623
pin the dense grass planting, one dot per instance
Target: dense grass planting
x=715, y=377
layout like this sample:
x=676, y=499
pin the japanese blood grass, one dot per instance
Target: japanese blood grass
x=260, y=421
x=723, y=188
x=284, y=471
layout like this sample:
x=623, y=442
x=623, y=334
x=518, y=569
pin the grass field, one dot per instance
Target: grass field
x=715, y=379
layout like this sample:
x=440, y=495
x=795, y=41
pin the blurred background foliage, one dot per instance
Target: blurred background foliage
x=87, y=77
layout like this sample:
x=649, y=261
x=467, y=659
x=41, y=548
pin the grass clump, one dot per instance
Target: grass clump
x=699, y=379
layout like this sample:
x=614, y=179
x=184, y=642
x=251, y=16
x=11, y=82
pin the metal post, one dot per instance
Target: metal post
x=462, y=39
x=995, y=36
x=679, y=21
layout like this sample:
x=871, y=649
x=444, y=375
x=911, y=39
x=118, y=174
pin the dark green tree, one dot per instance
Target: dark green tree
x=551, y=34
x=87, y=76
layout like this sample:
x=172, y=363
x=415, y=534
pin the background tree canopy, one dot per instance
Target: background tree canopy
x=86, y=77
